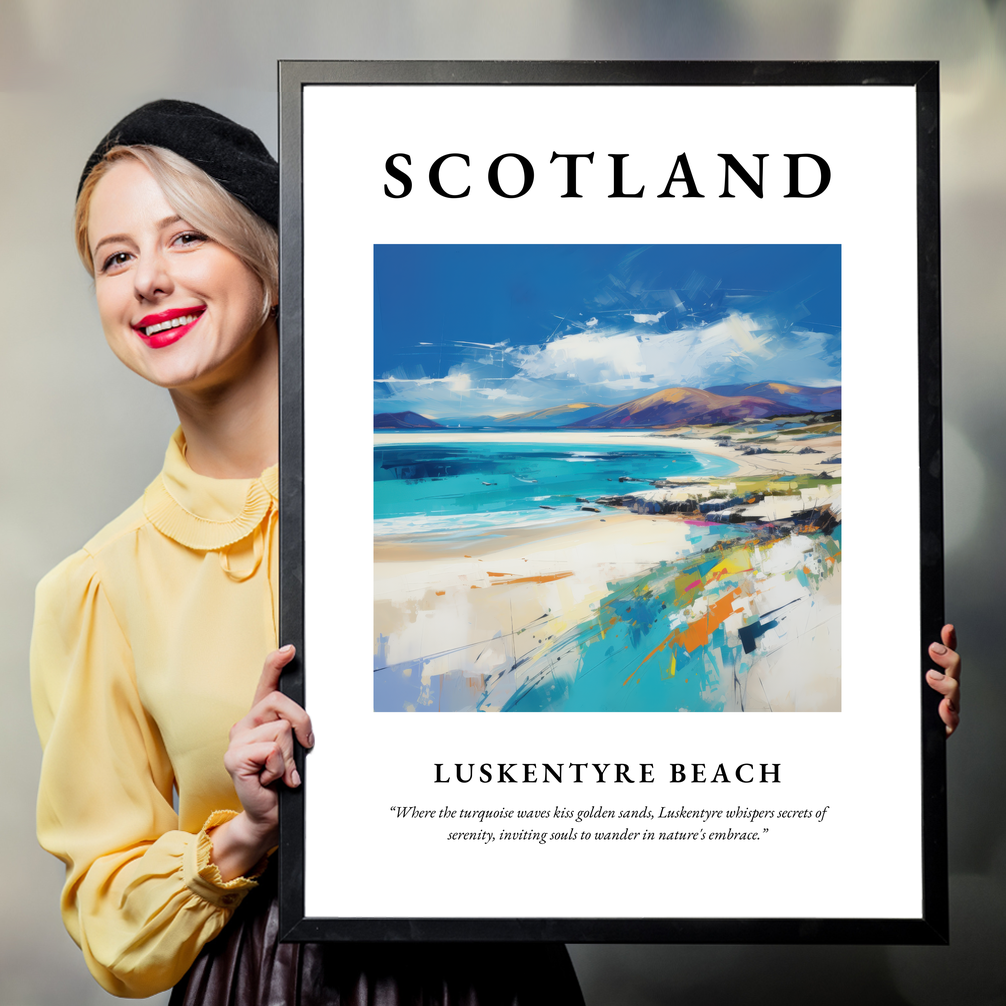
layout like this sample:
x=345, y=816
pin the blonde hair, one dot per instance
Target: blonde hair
x=199, y=200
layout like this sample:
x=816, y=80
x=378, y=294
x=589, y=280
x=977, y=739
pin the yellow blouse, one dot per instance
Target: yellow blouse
x=147, y=647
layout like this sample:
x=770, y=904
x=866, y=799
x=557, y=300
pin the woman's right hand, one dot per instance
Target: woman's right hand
x=259, y=754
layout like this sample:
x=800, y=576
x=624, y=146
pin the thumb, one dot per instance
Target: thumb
x=271, y=671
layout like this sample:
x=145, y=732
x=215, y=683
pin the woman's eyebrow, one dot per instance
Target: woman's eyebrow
x=160, y=225
x=109, y=240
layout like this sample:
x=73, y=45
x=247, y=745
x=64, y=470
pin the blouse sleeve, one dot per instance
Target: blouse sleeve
x=141, y=898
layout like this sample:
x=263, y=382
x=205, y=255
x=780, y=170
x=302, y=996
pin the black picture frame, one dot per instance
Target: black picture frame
x=932, y=925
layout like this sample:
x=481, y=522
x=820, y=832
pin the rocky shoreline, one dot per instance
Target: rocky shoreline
x=801, y=504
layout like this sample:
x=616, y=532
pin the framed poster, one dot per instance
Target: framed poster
x=588, y=647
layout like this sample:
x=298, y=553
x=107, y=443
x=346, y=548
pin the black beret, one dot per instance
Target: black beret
x=230, y=154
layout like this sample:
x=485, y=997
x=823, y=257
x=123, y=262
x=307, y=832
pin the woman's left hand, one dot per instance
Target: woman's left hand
x=948, y=681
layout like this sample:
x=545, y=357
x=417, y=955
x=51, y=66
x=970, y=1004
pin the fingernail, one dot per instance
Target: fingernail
x=936, y=675
x=295, y=777
x=287, y=649
x=938, y=648
x=310, y=740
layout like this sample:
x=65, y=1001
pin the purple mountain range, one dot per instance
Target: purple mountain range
x=808, y=399
x=404, y=421
x=728, y=403
x=693, y=406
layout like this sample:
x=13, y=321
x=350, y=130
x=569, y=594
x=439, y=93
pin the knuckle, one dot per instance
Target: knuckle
x=284, y=703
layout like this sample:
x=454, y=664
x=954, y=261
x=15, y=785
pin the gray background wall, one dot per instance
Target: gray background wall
x=82, y=436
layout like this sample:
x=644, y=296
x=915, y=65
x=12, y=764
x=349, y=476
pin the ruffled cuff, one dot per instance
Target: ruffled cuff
x=203, y=878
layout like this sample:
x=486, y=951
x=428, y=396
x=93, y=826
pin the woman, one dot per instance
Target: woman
x=148, y=643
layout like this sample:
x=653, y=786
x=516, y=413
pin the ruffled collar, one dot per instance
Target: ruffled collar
x=203, y=513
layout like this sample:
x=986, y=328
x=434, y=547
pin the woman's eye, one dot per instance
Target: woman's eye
x=114, y=261
x=190, y=238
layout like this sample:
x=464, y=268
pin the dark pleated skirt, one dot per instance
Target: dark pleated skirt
x=246, y=965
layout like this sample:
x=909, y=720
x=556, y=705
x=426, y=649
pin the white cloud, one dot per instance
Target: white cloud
x=482, y=345
x=647, y=319
x=458, y=381
x=459, y=392
x=495, y=394
x=590, y=322
x=612, y=362
x=635, y=359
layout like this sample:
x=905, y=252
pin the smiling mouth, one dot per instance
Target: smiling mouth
x=185, y=319
x=167, y=327
x=167, y=321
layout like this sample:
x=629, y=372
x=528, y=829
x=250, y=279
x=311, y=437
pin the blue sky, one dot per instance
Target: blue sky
x=466, y=330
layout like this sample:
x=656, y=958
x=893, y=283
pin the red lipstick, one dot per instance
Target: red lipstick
x=165, y=333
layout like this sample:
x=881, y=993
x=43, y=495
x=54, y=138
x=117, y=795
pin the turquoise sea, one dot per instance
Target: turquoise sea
x=434, y=486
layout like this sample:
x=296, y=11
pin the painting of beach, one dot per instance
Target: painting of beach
x=607, y=478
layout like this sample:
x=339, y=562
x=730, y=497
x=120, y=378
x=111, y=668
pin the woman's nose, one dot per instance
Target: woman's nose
x=152, y=277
